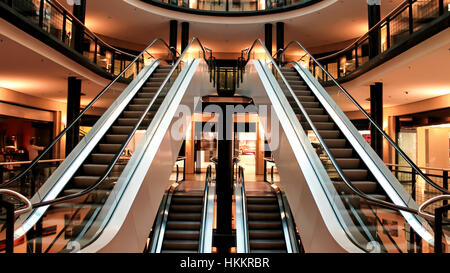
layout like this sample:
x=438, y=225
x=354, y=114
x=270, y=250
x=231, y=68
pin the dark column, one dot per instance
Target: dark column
x=173, y=35
x=184, y=35
x=79, y=11
x=268, y=37
x=73, y=110
x=376, y=112
x=280, y=38
x=374, y=17
x=224, y=184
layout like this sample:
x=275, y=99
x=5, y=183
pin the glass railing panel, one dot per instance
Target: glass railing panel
x=424, y=12
x=60, y=24
x=399, y=27
x=362, y=54
x=243, y=5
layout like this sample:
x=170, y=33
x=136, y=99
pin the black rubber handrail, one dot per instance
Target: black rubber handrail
x=364, y=112
x=63, y=132
x=355, y=190
x=124, y=145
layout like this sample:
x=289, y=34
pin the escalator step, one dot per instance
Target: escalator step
x=180, y=244
x=265, y=234
x=317, y=118
x=178, y=251
x=341, y=152
x=109, y=148
x=99, y=169
x=306, y=98
x=185, y=208
x=125, y=130
x=146, y=94
x=364, y=186
x=319, y=125
x=185, y=216
x=264, y=224
x=261, y=200
x=83, y=182
x=182, y=234
x=356, y=174
x=102, y=158
x=137, y=114
x=329, y=133
x=267, y=251
x=189, y=225
x=335, y=143
x=187, y=200
x=132, y=121
x=348, y=163
x=263, y=215
x=116, y=139
x=262, y=207
x=267, y=244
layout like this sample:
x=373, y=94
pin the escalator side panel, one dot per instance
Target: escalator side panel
x=62, y=175
x=309, y=198
x=133, y=207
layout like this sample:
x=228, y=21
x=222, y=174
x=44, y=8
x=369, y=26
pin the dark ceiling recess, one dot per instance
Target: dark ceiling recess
x=435, y=117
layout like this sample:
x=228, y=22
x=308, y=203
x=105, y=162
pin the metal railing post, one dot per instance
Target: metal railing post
x=41, y=13
x=445, y=186
x=413, y=184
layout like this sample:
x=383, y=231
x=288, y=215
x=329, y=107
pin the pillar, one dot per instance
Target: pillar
x=73, y=110
x=268, y=37
x=376, y=112
x=374, y=17
x=173, y=35
x=79, y=11
x=184, y=35
x=280, y=38
x=224, y=183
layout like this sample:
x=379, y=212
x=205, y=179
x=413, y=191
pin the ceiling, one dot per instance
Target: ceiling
x=26, y=71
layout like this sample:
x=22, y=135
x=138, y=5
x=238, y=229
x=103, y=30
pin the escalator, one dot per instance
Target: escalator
x=184, y=220
x=182, y=233
x=101, y=157
x=347, y=158
x=84, y=204
x=264, y=224
x=362, y=206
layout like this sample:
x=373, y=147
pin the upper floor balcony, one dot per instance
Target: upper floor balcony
x=232, y=7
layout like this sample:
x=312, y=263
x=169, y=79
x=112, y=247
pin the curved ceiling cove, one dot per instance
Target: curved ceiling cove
x=211, y=19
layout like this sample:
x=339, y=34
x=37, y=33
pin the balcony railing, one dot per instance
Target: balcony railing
x=397, y=27
x=51, y=17
x=232, y=6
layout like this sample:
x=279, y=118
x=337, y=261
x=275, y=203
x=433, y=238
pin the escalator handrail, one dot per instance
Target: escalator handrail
x=24, y=209
x=284, y=211
x=82, y=113
x=241, y=183
x=122, y=148
x=208, y=181
x=330, y=155
x=156, y=242
x=364, y=112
